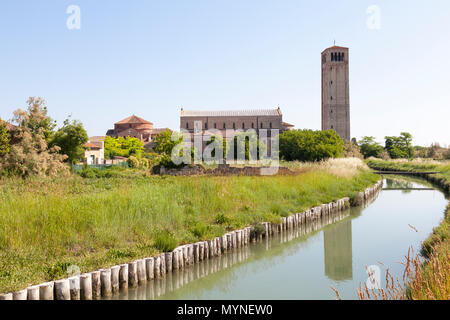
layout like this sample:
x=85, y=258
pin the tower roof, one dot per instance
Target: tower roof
x=334, y=47
x=133, y=119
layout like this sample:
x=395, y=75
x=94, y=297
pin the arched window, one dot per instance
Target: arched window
x=261, y=125
x=215, y=125
x=243, y=125
x=187, y=125
x=234, y=125
x=253, y=125
x=270, y=125
x=206, y=125
x=343, y=55
x=224, y=125
x=332, y=56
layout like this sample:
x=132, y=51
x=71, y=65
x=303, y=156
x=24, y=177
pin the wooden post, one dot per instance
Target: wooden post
x=32, y=293
x=206, y=252
x=201, y=250
x=105, y=280
x=168, y=257
x=218, y=246
x=211, y=248
x=149, y=266
x=96, y=285
x=190, y=248
x=175, y=260
x=62, y=289
x=223, y=243
x=157, y=270
x=74, y=283
x=185, y=255
x=20, y=295
x=115, y=279
x=46, y=291
x=141, y=272
x=238, y=238
x=163, y=264
x=6, y=296
x=182, y=256
x=229, y=241
x=132, y=275
x=86, y=286
x=123, y=277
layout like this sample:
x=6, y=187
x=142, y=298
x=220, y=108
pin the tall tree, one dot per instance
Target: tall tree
x=36, y=118
x=30, y=154
x=401, y=146
x=166, y=141
x=70, y=138
x=369, y=147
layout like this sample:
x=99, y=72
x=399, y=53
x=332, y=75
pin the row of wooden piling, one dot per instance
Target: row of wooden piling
x=107, y=282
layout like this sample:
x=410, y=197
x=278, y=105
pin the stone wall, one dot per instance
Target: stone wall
x=222, y=170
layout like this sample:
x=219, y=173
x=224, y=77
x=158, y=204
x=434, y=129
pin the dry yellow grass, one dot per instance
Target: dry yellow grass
x=341, y=167
x=422, y=279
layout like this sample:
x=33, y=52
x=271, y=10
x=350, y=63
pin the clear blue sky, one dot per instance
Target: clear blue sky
x=151, y=57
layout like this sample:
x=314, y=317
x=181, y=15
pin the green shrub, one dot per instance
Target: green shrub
x=133, y=162
x=222, y=219
x=310, y=145
x=144, y=163
x=165, y=242
x=57, y=270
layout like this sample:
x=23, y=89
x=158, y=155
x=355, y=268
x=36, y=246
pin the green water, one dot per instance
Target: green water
x=303, y=264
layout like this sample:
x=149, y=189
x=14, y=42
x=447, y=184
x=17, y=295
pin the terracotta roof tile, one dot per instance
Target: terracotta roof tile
x=133, y=119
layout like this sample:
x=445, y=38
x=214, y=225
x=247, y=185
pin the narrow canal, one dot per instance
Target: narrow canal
x=304, y=264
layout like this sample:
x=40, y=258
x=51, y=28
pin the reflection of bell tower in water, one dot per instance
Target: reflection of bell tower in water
x=338, y=251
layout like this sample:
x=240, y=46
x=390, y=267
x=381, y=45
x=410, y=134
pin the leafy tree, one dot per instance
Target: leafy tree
x=401, y=146
x=70, y=138
x=310, y=145
x=164, y=142
x=30, y=154
x=168, y=142
x=369, y=147
x=4, y=138
x=37, y=120
x=123, y=147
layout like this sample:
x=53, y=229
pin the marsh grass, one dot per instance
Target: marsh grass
x=47, y=225
x=423, y=279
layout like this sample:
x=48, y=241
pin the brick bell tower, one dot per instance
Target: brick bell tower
x=335, y=91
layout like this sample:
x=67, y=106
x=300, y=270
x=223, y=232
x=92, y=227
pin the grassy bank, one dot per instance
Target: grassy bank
x=50, y=224
x=431, y=278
